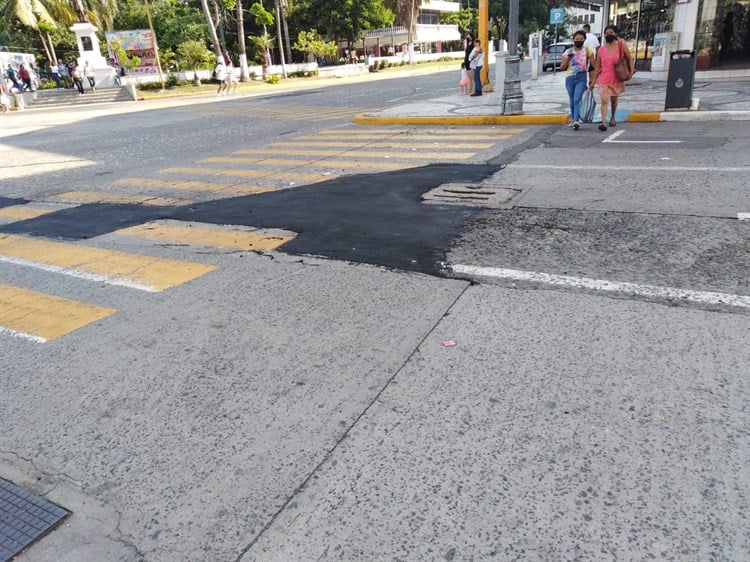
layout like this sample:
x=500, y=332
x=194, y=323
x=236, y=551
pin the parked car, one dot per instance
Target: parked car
x=553, y=57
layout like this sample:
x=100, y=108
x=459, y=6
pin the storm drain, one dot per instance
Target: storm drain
x=24, y=518
x=471, y=194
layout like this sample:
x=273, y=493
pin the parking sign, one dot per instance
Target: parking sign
x=556, y=16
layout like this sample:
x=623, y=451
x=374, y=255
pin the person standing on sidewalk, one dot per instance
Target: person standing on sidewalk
x=576, y=63
x=476, y=61
x=610, y=88
x=90, y=75
x=25, y=76
x=11, y=74
x=467, y=52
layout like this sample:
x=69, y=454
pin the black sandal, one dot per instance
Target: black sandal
x=602, y=127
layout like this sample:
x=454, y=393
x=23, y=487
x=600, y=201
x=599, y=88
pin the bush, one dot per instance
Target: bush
x=171, y=81
x=273, y=79
x=48, y=85
x=149, y=86
x=446, y=59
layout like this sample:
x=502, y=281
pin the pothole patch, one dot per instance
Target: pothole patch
x=477, y=195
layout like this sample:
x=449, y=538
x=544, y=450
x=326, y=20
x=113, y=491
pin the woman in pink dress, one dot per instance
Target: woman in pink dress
x=610, y=87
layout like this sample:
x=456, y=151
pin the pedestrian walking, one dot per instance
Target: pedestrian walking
x=467, y=52
x=591, y=42
x=75, y=74
x=610, y=86
x=11, y=74
x=476, y=62
x=62, y=71
x=55, y=71
x=90, y=75
x=231, y=80
x=220, y=74
x=575, y=62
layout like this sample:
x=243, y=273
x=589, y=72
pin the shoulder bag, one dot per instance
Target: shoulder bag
x=622, y=68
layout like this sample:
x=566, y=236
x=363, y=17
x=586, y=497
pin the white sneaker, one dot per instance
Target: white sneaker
x=576, y=125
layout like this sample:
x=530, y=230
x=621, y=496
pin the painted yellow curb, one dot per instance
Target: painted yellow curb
x=558, y=119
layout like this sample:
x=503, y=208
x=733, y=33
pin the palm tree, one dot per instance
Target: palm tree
x=263, y=43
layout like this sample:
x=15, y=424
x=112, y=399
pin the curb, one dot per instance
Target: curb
x=558, y=119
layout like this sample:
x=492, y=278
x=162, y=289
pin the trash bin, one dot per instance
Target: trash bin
x=680, y=80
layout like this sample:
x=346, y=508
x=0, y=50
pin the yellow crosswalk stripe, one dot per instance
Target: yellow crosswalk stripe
x=217, y=237
x=319, y=163
x=119, y=198
x=293, y=113
x=21, y=213
x=268, y=174
x=383, y=144
x=39, y=317
x=471, y=132
x=115, y=268
x=191, y=185
x=402, y=136
x=370, y=154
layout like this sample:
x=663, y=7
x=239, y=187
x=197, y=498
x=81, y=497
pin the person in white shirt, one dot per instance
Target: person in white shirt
x=591, y=42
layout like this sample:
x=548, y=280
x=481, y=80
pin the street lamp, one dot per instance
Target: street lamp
x=512, y=94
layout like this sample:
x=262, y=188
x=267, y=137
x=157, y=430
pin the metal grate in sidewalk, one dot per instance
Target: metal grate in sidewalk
x=24, y=518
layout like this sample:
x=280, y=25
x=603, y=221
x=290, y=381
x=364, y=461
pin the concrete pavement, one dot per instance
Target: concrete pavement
x=718, y=96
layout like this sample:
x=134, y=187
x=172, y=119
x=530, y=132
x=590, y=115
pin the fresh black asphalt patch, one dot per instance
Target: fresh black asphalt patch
x=376, y=219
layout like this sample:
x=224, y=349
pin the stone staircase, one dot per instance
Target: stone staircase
x=59, y=98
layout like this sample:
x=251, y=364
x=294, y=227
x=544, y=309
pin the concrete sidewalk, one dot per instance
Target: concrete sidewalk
x=716, y=95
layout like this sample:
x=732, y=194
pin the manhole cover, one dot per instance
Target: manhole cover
x=24, y=518
x=471, y=194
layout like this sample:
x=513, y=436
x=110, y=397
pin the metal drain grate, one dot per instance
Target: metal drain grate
x=24, y=518
x=471, y=194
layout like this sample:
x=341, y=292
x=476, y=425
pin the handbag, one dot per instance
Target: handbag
x=588, y=106
x=622, y=68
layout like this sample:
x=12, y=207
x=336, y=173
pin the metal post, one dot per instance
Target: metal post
x=156, y=47
x=512, y=94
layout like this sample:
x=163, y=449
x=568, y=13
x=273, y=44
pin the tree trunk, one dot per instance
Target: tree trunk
x=46, y=49
x=286, y=31
x=220, y=26
x=244, y=76
x=279, y=39
x=211, y=28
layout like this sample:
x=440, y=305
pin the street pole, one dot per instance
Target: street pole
x=512, y=94
x=156, y=47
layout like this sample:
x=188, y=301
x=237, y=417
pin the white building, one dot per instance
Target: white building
x=431, y=36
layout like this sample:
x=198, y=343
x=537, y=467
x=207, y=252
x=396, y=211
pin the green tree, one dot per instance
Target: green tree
x=310, y=42
x=194, y=55
x=128, y=63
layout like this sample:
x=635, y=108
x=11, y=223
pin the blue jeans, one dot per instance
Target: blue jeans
x=478, y=80
x=576, y=85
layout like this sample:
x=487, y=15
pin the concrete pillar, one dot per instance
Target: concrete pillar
x=685, y=20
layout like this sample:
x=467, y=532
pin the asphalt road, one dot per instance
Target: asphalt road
x=233, y=331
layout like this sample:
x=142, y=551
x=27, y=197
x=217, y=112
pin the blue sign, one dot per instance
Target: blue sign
x=556, y=16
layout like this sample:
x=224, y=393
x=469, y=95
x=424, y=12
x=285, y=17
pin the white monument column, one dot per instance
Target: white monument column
x=89, y=51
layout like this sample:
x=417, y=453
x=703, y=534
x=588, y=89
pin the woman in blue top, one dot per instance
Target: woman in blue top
x=576, y=62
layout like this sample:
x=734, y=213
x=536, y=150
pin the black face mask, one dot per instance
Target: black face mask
x=578, y=44
x=609, y=38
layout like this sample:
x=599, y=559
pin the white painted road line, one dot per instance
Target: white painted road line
x=611, y=138
x=603, y=286
x=737, y=169
x=743, y=216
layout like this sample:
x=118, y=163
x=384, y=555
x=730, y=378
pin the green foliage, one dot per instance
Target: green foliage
x=273, y=79
x=311, y=42
x=464, y=19
x=47, y=85
x=194, y=55
x=343, y=19
x=128, y=63
x=261, y=15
